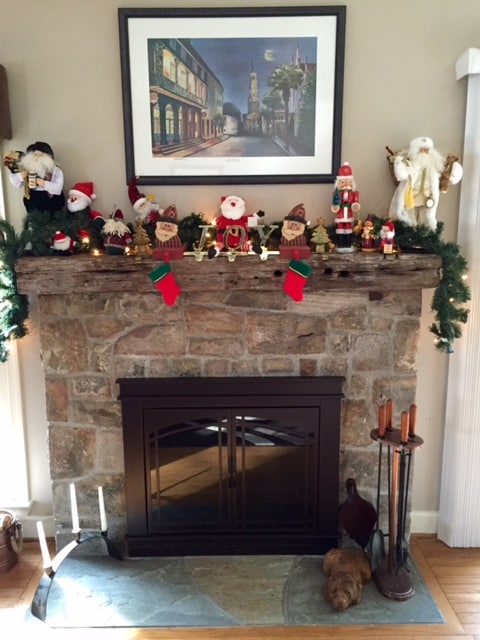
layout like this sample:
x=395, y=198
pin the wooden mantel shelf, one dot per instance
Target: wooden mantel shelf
x=106, y=273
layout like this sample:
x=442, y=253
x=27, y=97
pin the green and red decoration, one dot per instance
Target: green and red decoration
x=297, y=274
x=165, y=282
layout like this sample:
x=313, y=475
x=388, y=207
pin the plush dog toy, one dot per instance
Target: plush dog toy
x=347, y=570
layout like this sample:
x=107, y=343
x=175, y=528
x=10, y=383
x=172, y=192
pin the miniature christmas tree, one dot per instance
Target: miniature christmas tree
x=141, y=239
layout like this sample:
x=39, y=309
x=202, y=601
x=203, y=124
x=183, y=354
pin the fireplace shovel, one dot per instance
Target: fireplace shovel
x=376, y=544
x=357, y=516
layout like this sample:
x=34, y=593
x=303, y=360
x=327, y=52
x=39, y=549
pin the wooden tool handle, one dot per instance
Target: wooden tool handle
x=413, y=421
x=382, y=420
x=389, y=414
x=404, y=427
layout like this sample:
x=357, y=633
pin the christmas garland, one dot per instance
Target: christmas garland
x=13, y=306
x=452, y=291
x=449, y=296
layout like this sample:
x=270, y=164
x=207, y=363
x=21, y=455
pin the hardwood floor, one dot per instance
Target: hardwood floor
x=453, y=576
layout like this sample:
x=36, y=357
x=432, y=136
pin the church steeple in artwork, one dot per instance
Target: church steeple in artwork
x=253, y=115
x=253, y=101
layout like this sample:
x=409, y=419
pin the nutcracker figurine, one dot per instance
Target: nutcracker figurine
x=344, y=205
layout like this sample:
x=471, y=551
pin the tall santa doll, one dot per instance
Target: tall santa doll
x=41, y=179
x=345, y=204
x=419, y=173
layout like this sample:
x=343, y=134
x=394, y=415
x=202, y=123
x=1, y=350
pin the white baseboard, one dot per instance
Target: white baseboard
x=424, y=522
x=29, y=526
x=29, y=516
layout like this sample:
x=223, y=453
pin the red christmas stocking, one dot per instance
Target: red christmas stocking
x=297, y=275
x=163, y=278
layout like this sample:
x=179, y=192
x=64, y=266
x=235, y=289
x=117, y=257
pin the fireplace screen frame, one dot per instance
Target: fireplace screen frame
x=148, y=404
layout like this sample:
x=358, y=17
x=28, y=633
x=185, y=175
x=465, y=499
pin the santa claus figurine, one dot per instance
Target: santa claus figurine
x=420, y=172
x=233, y=227
x=41, y=179
x=80, y=197
x=345, y=204
x=79, y=201
x=387, y=235
x=62, y=244
x=144, y=206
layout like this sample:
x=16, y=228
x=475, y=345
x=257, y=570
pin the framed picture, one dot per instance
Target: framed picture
x=234, y=95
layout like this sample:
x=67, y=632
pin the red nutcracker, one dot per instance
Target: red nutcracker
x=344, y=205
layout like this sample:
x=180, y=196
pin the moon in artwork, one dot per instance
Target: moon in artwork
x=268, y=55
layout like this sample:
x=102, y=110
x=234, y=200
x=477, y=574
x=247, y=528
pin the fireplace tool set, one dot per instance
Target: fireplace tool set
x=390, y=570
x=51, y=566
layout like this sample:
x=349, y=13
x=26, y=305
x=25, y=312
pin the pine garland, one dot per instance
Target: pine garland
x=39, y=227
x=452, y=292
x=13, y=306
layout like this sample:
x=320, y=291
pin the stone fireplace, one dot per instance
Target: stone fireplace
x=101, y=319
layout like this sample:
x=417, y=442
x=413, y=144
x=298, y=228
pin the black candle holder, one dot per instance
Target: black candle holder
x=39, y=602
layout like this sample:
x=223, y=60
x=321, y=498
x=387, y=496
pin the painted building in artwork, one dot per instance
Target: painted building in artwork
x=186, y=98
x=252, y=119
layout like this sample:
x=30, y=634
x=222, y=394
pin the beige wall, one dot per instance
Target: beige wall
x=62, y=60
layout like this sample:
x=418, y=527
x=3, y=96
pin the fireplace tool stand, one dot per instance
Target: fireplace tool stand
x=392, y=575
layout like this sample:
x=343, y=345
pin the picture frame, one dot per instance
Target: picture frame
x=232, y=95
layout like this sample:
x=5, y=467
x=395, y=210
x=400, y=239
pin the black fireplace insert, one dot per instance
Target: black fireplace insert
x=232, y=466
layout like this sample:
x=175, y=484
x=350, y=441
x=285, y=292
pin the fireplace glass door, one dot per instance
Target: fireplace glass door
x=219, y=466
x=231, y=470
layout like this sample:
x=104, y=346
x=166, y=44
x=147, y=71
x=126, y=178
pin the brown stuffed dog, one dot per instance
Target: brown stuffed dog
x=347, y=570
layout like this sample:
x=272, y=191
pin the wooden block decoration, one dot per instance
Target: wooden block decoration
x=5, y=120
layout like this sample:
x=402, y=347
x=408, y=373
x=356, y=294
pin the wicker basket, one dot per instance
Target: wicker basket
x=10, y=540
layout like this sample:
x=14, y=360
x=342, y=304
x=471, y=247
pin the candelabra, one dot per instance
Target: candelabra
x=51, y=566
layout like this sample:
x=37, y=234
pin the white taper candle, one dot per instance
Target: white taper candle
x=47, y=563
x=73, y=502
x=103, y=515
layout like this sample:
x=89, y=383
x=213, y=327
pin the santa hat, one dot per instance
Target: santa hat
x=297, y=213
x=43, y=147
x=169, y=215
x=420, y=143
x=136, y=198
x=58, y=237
x=345, y=171
x=389, y=225
x=83, y=190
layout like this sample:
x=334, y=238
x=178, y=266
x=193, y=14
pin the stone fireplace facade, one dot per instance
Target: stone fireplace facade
x=101, y=319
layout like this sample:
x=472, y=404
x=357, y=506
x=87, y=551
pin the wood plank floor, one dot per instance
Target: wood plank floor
x=453, y=576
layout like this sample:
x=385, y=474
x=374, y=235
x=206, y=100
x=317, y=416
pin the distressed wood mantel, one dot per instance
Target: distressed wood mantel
x=105, y=273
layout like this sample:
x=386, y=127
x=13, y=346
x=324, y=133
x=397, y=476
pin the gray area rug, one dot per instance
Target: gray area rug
x=216, y=591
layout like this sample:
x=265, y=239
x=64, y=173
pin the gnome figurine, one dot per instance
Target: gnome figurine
x=167, y=241
x=293, y=241
x=117, y=237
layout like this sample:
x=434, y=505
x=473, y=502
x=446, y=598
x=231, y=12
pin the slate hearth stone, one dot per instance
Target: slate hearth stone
x=304, y=602
x=216, y=591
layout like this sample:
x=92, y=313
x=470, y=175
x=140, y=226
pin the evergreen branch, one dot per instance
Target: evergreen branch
x=13, y=306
